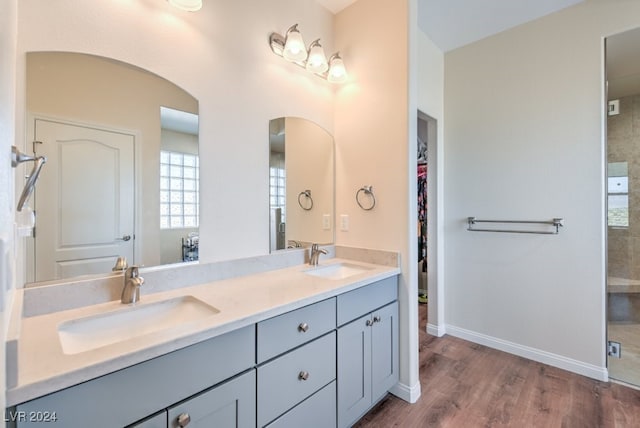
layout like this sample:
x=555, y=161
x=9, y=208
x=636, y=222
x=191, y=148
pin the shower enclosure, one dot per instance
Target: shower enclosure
x=623, y=206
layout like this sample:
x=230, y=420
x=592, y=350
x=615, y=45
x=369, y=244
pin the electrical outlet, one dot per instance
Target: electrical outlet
x=615, y=349
x=344, y=222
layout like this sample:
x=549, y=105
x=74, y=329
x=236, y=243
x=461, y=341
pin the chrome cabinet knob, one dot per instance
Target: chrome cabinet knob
x=303, y=375
x=303, y=327
x=184, y=419
x=377, y=318
x=369, y=323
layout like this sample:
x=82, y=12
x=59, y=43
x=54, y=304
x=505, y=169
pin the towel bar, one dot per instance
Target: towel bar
x=556, y=222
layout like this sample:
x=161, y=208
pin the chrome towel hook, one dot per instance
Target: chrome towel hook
x=17, y=157
x=368, y=190
x=307, y=195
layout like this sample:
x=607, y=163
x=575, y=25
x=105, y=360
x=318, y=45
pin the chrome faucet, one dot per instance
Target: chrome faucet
x=314, y=254
x=132, y=283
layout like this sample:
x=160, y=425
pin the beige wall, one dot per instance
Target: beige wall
x=524, y=140
x=98, y=91
x=372, y=135
x=309, y=159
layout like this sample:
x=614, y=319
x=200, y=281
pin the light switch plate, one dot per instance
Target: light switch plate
x=326, y=222
x=344, y=222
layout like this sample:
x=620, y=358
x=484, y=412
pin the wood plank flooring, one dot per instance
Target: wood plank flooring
x=468, y=385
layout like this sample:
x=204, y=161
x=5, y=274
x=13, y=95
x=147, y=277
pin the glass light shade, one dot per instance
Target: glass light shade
x=337, y=72
x=188, y=5
x=317, y=60
x=294, y=48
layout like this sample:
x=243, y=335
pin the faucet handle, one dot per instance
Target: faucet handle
x=121, y=264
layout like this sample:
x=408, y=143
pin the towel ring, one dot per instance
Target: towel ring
x=368, y=190
x=307, y=194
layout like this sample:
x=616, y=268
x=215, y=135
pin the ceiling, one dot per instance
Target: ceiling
x=451, y=24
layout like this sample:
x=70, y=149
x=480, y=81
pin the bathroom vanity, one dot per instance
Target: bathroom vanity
x=313, y=347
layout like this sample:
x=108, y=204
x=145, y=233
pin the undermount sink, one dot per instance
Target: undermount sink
x=337, y=271
x=96, y=331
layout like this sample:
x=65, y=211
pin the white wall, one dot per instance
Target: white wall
x=8, y=36
x=524, y=131
x=372, y=131
x=221, y=56
x=430, y=99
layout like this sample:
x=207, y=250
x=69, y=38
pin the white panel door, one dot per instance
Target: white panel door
x=84, y=200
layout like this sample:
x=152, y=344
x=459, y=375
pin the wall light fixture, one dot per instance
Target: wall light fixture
x=292, y=48
x=188, y=5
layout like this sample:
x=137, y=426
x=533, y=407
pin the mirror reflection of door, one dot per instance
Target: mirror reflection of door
x=111, y=95
x=90, y=173
x=623, y=206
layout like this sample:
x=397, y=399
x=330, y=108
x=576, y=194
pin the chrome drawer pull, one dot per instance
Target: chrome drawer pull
x=303, y=327
x=184, y=419
x=377, y=318
x=303, y=375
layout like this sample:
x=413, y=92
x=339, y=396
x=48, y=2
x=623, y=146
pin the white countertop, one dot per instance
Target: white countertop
x=43, y=367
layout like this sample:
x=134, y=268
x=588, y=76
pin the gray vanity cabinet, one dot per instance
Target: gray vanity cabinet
x=367, y=349
x=131, y=394
x=318, y=366
x=297, y=356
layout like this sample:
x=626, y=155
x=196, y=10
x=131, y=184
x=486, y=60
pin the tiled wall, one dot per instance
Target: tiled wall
x=623, y=145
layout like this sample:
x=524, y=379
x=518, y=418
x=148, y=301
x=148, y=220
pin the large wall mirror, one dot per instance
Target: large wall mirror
x=122, y=172
x=301, y=184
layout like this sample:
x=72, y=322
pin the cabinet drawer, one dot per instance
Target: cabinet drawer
x=130, y=394
x=282, y=333
x=280, y=382
x=318, y=411
x=358, y=302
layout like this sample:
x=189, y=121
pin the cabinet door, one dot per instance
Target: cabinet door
x=157, y=421
x=318, y=411
x=354, y=370
x=230, y=405
x=384, y=350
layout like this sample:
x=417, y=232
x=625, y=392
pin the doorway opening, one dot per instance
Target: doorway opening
x=426, y=231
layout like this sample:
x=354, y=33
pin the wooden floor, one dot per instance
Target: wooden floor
x=468, y=385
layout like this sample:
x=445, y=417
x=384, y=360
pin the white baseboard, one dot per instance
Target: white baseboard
x=436, y=330
x=409, y=394
x=555, y=360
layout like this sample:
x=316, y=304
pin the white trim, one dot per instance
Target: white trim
x=407, y=393
x=555, y=360
x=436, y=330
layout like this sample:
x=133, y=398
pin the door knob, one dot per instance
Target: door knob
x=124, y=238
